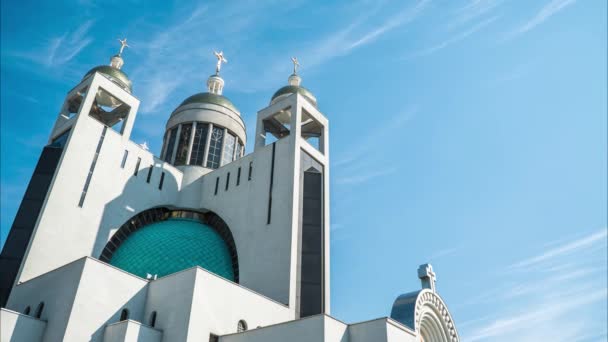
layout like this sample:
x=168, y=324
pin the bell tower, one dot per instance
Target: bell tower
x=54, y=225
x=296, y=132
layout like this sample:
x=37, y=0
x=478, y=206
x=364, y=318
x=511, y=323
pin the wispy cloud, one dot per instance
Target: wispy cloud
x=535, y=316
x=62, y=49
x=456, y=38
x=357, y=34
x=365, y=176
x=550, y=9
x=545, y=302
x=473, y=10
x=376, y=136
x=599, y=236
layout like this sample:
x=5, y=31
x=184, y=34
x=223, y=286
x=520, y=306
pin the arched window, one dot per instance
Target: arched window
x=242, y=326
x=124, y=315
x=39, y=310
x=27, y=310
x=153, y=319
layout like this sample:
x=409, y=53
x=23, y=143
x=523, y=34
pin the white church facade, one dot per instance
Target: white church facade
x=201, y=243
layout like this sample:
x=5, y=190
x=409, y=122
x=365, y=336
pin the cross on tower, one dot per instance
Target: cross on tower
x=220, y=60
x=123, y=45
x=427, y=276
x=296, y=64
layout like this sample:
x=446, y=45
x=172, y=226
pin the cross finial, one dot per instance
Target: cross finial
x=220, y=60
x=296, y=64
x=427, y=276
x=123, y=45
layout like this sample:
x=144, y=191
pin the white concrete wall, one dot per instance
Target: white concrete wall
x=335, y=331
x=304, y=330
x=171, y=298
x=57, y=289
x=218, y=305
x=131, y=331
x=103, y=292
x=17, y=327
x=381, y=329
x=264, y=250
x=395, y=332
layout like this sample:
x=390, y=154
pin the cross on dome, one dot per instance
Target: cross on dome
x=220, y=59
x=123, y=45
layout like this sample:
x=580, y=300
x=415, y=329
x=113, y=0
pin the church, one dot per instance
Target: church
x=201, y=243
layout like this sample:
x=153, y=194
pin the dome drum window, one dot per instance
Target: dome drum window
x=201, y=144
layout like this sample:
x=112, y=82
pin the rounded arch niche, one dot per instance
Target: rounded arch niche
x=433, y=320
x=209, y=243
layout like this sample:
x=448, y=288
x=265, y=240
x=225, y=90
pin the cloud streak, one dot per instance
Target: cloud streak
x=62, y=49
x=456, y=38
x=567, y=248
x=549, y=10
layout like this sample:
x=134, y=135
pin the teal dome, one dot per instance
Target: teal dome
x=173, y=245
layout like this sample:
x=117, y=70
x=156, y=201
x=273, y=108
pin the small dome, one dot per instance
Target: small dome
x=294, y=87
x=211, y=98
x=174, y=245
x=114, y=74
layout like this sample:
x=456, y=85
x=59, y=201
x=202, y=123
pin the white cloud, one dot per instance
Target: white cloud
x=549, y=303
x=346, y=40
x=365, y=176
x=550, y=9
x=570, y=247
x=376, y=137
x=473, y=10
x=456, y=38
x=62, y=49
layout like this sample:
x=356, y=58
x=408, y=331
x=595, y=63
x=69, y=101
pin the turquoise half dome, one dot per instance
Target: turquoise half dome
x=173, y=245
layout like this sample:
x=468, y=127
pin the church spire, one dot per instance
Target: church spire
x=215, y=83
x=116, y=60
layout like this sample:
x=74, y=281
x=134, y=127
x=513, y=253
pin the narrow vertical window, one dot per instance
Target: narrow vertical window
x=39, y=310
x=239, y=151
x=124, y=159
x=198, y=144
x=124, y=315
x=137, y=166
x=217, y=184
x=227, y=181
x=149, y=173
x=229, y=145
x=153, y=319
x=162, y=180
x=92, y=168
x=250, y=170
x=215, y=148
x=241, y=326
x=182, y=146
x=238, y=176
x=172, y=136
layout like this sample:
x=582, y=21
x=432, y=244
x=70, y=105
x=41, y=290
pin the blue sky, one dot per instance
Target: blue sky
x=471, y=134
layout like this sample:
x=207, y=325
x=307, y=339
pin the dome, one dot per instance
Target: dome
x=176, y=244
x=114, y=74
x=292, y=89
x=211, y=98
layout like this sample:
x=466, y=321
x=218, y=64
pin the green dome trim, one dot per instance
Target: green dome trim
x=211, y=98
x=173, y=245
x=116, y=75
x=291, y=89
